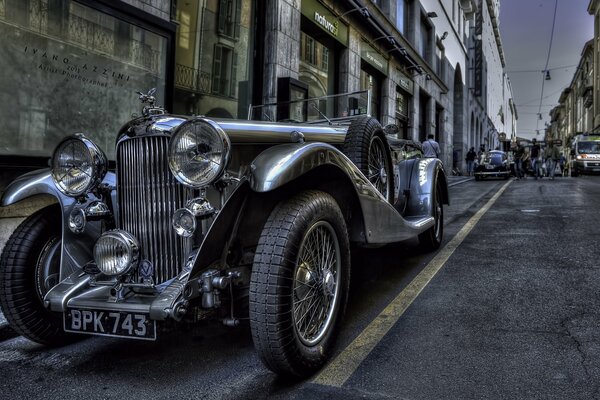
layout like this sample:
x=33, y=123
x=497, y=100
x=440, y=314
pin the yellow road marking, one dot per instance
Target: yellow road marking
x=337, y=372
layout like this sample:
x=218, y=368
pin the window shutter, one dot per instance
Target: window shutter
x=238, y=18
x=233, y=82
x=222, y=16
x=216, y=69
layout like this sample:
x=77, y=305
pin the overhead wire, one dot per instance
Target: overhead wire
x=547, y=61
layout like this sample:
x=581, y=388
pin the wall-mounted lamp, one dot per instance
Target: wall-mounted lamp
x=444, y=36
x=432, y=14
x=548, y=75
x=363, y=10
x=389, y=38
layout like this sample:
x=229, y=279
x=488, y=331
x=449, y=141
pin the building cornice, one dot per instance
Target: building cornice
x=496, y=28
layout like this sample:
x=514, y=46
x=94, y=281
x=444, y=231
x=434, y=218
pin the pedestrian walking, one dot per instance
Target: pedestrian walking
x=470, y=159
x=518, y=156
x=552, y=156
x=561, y=162
x=431, y=148
x=536, y=159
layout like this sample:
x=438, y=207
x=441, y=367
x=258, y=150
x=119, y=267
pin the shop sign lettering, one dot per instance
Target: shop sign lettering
x=328, y=26
x=56, y=64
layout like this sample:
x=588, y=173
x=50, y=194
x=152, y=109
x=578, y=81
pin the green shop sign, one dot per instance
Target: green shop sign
x=405, y=82
x=326, y=20
x=371, y=56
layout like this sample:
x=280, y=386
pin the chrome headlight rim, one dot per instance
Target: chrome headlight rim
x=97, y=160
x=223, y=140
x=130, y=245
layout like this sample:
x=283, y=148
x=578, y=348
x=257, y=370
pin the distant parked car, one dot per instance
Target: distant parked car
x=492, y=163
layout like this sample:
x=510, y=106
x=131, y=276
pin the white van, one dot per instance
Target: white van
x=585, y=154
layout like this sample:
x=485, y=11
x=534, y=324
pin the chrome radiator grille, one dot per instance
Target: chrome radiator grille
x=148, y=195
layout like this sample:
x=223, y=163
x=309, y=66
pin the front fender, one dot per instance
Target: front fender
x=426, y=174
x=280, y=165
x=76, y=248
x=32, y=184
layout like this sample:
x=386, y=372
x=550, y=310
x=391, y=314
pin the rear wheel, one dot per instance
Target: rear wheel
x=299, y=284
x=431, y=239
x=29, y=268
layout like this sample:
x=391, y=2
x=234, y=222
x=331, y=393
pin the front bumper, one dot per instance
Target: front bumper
x=76, y=292
x=484, y=171
x=588, y=167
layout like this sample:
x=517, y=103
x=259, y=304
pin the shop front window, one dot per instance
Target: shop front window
x=65, y=68
x=369, y=81
x=213, y=58
x=315, y=66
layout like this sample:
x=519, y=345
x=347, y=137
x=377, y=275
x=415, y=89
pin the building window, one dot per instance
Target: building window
x=229, y=18
x=224, y=71
x=316, y=66
x=424, y=45
x=61, y=62
x=214, y=58
x=402, y=15
x=439, y=62
x=370, y=81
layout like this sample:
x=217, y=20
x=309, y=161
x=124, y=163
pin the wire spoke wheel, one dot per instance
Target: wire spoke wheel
x=378, y=174
x=299, y=283
x=316, y=283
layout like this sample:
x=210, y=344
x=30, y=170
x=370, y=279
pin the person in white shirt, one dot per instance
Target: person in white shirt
x=431, y=148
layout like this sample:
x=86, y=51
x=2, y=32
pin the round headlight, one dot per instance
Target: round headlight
x=78, y=165
x=116, y=252
x=198, y=152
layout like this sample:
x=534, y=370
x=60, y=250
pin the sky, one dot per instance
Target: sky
x=526, y=30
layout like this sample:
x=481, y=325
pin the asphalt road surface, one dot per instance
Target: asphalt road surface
x=509, y=308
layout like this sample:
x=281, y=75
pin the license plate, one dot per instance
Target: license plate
x=110, y=323
x=489, y=167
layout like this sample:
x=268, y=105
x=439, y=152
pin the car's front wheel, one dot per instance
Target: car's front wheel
x=29, y=268
x=299, y=284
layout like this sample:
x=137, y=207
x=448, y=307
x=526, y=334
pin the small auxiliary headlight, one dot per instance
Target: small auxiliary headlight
x=184, y=222
x=77, y=220
x=116, y=252
x=184, y=219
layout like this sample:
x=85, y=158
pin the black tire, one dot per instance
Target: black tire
x=29, y=268
x=574, y=172
x=431, y=239
x=279, y=285
x=367, y=147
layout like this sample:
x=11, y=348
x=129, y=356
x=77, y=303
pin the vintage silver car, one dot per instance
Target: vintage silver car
x=228, y=220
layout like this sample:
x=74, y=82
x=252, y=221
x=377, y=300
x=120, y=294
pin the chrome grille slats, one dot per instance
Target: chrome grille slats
x=148, y=195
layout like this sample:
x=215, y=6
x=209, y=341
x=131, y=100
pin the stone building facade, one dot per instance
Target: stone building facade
x=431, y=66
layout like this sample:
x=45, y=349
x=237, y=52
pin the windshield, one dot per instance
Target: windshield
x=589, y=147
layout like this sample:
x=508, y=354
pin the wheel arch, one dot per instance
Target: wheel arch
x=254, y=207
